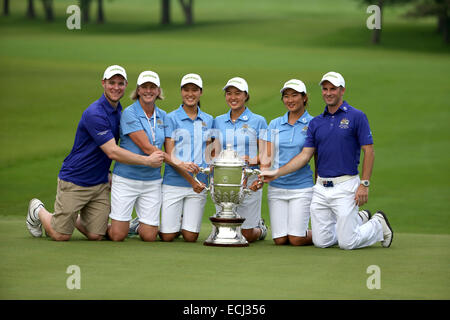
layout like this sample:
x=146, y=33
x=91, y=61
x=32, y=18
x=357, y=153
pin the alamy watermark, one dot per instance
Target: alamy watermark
x=74, y=280
x=73, y=22
x=374, y=20
x=374, y=280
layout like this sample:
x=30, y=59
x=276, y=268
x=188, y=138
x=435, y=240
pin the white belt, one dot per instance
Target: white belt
x=330, y=182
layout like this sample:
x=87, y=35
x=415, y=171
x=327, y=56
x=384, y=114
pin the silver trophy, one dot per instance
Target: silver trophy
x=227, y=186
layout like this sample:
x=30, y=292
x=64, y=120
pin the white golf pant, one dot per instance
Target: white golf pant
x=335, y=219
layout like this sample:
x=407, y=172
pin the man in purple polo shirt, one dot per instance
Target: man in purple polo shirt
x=82, y=196
x=337, y=137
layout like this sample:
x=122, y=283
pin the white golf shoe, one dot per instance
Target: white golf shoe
x=34, y=224
x=133, y=230
x=388, y=233
x=263, y=227
x=365, y=215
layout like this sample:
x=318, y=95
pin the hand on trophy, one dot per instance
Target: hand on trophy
x=256, y=185
x=268, y=175
x=190, y=167
x=198, y=186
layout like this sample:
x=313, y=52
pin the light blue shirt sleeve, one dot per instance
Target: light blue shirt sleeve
x=169, y=126
x=129, y=122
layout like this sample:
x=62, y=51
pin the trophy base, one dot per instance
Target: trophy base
x=226, y=233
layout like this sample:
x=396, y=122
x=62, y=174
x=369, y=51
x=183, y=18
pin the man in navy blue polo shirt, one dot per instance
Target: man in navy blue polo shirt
x=82, y=197
x=337, y=137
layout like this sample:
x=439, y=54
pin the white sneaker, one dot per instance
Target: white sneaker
x=133, y=230
x=34, y=224
x=365, y=215
x=388, y=233
x=263, y=227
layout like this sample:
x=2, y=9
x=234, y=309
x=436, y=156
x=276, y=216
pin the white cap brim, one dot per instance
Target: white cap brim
x=192, y=78
x=114, y=70
x=294, y=84
x=148, y=76
x=238, y=83
x=334, y=78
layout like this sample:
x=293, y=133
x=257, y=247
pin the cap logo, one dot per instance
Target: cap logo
x=149, y=76
x=331, y=75
x=116, y=69
x=292, y=83
x=237, y=81
x=191, y=77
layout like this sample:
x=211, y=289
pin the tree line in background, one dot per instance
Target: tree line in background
x=85, y=8
x=420, y=8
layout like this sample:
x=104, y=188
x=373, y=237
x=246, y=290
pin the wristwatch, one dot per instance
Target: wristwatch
x=365, y=183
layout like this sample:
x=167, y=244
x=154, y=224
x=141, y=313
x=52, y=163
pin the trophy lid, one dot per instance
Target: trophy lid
x=229, y=157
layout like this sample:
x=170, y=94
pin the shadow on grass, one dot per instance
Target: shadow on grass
x=58, y=26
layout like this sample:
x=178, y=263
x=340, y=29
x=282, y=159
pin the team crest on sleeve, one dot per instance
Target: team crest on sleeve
x=344, y=123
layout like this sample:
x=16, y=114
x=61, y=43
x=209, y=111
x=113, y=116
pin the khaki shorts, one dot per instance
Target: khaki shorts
x=92, y=203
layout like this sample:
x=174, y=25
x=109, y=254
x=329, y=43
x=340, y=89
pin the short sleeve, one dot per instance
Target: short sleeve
x=98, y=127
x=364, y=133
x=268, y=133
x=262, y=128
x=169, y=126
x=310, y=139
x=129, y=122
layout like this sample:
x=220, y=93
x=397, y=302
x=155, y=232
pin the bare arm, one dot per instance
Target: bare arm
x=299, y=161
x=362, y=193
x=141, y=140
x=181, y=167
x=114, y=152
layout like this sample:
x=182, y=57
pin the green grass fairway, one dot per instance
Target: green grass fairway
x=49, y=75
x=415, y=267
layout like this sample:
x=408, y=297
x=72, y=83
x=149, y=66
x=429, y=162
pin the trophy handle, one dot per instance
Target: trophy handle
x=249, y=172
x=206, y=171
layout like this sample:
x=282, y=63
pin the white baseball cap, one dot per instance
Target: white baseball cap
x=294, y=84
x=113, y=70
x=192, y=78
x=148, y=76
x=335, y=78
x=237, y=82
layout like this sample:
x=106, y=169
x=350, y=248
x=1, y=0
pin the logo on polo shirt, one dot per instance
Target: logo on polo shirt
x=245, y=126
x=344, y=123
x=102, y=133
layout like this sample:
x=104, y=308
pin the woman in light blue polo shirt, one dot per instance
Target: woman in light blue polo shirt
x=187, y=136
x=289, y=197
x=242, y=129
x=134, y=186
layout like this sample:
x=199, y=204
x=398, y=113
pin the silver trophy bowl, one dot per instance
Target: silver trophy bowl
x=227, y=187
